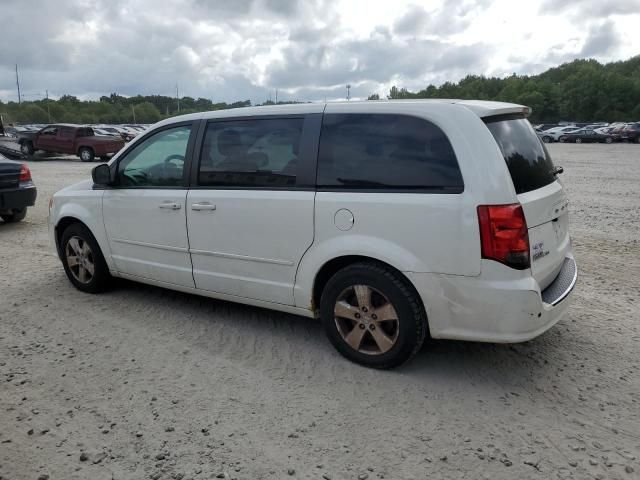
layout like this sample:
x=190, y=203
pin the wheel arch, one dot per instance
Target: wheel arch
x=62, y=225
x=332, y=266
x=80, y=147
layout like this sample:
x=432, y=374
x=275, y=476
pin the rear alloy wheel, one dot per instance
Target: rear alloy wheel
x=373, y=316
x=83, y=261
x=16, y=215
x=86, y=154
x=608, y=140
x=578, y=140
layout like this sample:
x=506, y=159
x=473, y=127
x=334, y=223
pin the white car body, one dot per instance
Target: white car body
x=556, y=132
x=267, y=247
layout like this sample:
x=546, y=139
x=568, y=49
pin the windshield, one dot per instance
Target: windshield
x=527, y=158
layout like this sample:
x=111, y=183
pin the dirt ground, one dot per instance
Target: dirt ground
x=143, y=382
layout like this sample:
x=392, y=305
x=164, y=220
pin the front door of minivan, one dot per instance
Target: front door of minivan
x=250, y=207
x=144, y=213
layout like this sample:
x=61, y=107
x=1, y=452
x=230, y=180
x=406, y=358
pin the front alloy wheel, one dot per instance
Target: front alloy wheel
x=80, y=259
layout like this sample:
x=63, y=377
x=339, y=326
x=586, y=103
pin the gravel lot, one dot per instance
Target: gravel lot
x=147, y=383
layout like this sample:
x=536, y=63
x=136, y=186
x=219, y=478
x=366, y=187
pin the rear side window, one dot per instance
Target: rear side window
x=379, y=151
x=251, y=153
x=527, y=158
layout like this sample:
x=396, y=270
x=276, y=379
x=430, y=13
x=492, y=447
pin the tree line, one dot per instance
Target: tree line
x=582, y=90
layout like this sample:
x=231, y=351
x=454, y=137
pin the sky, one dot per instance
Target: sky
x=308, y=50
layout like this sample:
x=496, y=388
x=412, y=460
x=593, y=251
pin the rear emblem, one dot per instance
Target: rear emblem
x=539, y=251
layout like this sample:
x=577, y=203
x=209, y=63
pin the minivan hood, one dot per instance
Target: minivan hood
x=83, y=185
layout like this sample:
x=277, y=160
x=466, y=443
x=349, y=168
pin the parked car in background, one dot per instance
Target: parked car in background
x=553, y=134
x=17, y=190
x=388, y=220
x=70, y=139
x=585, y=135
x=630, y=133
x=126, y=135
x=545, y=126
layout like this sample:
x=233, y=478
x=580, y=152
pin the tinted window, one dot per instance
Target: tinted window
x=158, y=161
x=66, y=132
x=85, y=132
x=49, y=131
x=251, y=153
x=529, y=162
x=385, y=151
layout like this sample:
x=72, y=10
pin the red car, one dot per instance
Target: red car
x=70, y=139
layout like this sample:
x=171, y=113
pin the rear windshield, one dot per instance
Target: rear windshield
x=528, y=160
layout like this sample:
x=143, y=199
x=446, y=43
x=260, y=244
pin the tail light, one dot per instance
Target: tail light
x=25, y=173
x=503, y=235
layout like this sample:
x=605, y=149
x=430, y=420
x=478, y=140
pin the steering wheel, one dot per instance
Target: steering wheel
x=174, y=157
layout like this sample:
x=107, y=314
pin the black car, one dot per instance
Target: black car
x=586, y=136
x=17, y=190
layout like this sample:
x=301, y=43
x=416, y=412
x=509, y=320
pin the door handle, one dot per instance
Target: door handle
x=202, y=206
x=170, y=206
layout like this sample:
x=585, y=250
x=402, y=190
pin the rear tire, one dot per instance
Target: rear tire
x=17, y=215
x=373, y=316
x=547, y=139
x=86, y=154
x=608, y=140
x=578, y=140
x=83, y=261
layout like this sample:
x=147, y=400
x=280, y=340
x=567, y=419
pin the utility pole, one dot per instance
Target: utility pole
x=48, y=111
x=276, y=96
x=18, y=84
x=177, y=98
x=348, y=93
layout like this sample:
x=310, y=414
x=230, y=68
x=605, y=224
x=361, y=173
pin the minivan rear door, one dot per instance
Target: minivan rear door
x=250, y=206
x=539, y=192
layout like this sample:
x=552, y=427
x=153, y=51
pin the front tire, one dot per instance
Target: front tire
x=578, y=140
x=608, y=140
x=26, y=148
x=17, y=215
x=86, y=154
x=373, y=316
x=83, y=261
x=547, y=139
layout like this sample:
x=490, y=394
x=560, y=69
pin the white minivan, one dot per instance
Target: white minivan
x=388, y=220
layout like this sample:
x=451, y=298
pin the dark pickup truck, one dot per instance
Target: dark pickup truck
x=17, y=191
x=70, y=139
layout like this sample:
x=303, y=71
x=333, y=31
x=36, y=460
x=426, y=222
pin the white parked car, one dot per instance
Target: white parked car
x=554, y=134
x=390, y=221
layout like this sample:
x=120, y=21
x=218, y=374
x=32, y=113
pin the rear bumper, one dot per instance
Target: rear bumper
x=19, y=198
x=502, y=311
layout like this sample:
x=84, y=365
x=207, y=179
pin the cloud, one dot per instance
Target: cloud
x=453, y=16
x=306, y=49
x=588, y=9
x=602, y=39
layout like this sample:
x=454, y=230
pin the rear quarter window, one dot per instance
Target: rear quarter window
x=527, y=158
x=386, y=152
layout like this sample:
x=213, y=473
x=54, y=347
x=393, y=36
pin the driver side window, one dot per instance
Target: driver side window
x=158, y=161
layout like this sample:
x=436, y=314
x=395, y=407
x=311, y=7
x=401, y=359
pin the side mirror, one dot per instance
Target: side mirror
x=101, y=174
